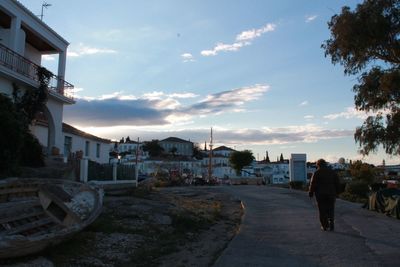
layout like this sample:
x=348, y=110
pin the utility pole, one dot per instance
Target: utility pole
x=210, y=155
x=137, y=151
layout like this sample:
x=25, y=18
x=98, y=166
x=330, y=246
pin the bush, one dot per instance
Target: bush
x=357, y=188
x=356, y=191
x=11, y=136
x=31, y=154
x=296, y=185
x=18, y=146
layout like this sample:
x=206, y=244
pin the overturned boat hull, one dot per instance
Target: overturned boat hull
x=38, y=213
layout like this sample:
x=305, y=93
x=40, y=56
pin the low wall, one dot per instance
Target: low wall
x=246, y=180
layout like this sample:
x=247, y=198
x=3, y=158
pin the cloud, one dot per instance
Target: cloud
x=242, y=39
x=310, y=18
x=304, y=103
x=227, y=100
x=187, y=57
x=286, y=136
x=349, y=113
x=73, y=92
x=84, y=50
x=48, y=57
x=309, y=117
x=254, y=33
x=224, y=48
x=183, y=95
x=157, y=108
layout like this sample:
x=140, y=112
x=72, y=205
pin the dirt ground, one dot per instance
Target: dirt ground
x=182, y=226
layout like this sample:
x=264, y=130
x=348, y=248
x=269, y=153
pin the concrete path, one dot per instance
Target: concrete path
x=280, y=228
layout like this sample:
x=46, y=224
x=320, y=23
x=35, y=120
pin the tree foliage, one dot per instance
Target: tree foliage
x=153, y=148
x=366, y=42
x=31, y=101
x=197, y=153
x=240, y=159
x=19, y=147
x=173, y=151
x=362, y=172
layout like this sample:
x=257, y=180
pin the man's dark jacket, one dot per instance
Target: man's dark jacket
x=324, y=182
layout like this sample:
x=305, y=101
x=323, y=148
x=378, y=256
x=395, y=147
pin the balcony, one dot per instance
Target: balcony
x=27, y=68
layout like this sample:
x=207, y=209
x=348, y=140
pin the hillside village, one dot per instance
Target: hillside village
x=25, y=40
x=124, y=224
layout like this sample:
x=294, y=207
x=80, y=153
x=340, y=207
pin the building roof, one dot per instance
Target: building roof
x=223, y=148
x=66, y=128
x=175, y=140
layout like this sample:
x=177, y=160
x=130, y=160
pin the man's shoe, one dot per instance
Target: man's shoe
x=331, y=225
x=323, y=228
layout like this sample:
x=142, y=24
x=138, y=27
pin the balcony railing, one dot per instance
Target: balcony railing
x=25, y=67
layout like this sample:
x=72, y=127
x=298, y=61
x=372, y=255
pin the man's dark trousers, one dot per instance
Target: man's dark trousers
x=326, y=207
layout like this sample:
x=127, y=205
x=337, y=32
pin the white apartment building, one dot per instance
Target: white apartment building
x=24, y=40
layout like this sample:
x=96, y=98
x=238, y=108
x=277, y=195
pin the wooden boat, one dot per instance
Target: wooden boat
x=38, y=213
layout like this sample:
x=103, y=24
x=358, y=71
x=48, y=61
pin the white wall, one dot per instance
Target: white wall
x=41, y=133
x=56, y=110
x=33, y=54
x=79, y=144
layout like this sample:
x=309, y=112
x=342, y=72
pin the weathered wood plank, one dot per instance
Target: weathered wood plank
x=14, y=190
x=29, y=226
x=21, y=216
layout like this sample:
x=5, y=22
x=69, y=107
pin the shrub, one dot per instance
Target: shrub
x=18, y=146
x=31, y=154
x=357, y=188
x=11, y=135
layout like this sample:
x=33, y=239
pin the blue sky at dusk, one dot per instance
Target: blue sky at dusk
x=253, y=70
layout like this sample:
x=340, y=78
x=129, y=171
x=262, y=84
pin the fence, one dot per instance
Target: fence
x=107, y=173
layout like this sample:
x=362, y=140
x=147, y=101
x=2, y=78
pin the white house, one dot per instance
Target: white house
x=129, y=150
x=273, y=172
x=24, y=40
x=182, y=147
x=93, y=148
x=219, y=161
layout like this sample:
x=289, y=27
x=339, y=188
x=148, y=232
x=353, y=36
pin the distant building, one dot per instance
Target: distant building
x=221, y=166
x=298, y=167
x=182, y=147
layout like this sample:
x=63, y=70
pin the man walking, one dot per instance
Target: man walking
x=325, y=185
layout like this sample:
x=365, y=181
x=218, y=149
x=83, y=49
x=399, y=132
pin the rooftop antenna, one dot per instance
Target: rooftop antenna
x=44, y=5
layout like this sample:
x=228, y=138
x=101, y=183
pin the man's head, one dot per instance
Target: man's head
x=321, y=163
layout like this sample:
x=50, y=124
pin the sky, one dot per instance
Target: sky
x=254, y=71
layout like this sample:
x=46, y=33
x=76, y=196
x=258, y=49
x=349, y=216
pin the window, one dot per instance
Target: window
x=87, y=147
x=67, y=145
x=98, y=150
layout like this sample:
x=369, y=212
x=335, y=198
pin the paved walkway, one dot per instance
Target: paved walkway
x=280, y=228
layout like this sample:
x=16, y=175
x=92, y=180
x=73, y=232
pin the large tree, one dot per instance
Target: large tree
x=240, y=159
x=153, y=148
x=366, y=42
